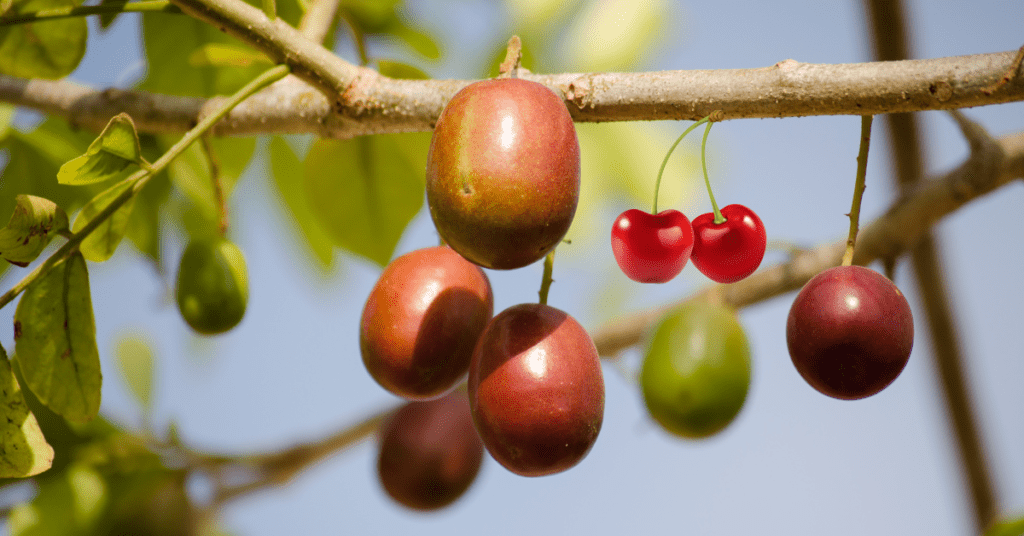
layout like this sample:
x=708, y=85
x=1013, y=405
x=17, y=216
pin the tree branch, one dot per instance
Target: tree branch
x=991, y=165
x=376, y=104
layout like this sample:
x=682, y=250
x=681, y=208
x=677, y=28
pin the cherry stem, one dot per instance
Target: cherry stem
x=513, y=55
x=858, y=188
x=545, y=283
x=657, y=183
x=719, y=218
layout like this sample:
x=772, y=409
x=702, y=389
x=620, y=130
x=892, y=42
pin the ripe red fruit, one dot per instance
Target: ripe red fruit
x=652, y=248
x=429, y=452
x=503, y=172
x=850, y=332
x=536, y=390
x=422, y=320
x=732, y=250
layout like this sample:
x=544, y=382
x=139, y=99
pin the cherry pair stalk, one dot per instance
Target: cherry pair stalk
x=726, y=245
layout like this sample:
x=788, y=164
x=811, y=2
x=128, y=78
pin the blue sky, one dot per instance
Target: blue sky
x=794, y=462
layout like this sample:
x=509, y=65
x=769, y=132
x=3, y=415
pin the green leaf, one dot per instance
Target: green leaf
x=145, y=222
x=397, y=69
x=287, y=173
x=616, y=35
x=55, y=337
x=171, y=41
x=33, y=163
x=23, y=451
x=191, y=172
x=364, y=191
x=113, y=154
x=135, y=358
x=67, y=505
x=102, y=241
x=50, y=49
x=417, y=40
x=1009, y=527
x=227, y=55
x=6, y=116
x=106, y=19
x=34, y=222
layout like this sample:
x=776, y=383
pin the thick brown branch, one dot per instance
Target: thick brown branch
x=376, y=104
x=989, y=167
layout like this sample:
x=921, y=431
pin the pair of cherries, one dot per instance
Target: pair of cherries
x=725, y=245
x=654, y=248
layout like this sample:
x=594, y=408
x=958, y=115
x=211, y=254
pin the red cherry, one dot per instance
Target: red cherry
x=732, y=250
x=652, y=248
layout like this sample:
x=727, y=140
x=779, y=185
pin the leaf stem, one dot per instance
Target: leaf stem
x=545, y=283
x=270, y=9
x=141, y=177
x=83, y=11
x=657, y=183
x=719, y=218
x=858, y=188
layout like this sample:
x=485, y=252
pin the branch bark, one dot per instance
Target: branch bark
x=374, y=104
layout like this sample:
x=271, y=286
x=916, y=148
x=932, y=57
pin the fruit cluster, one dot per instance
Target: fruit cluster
x=502, y=184
x=503, y=178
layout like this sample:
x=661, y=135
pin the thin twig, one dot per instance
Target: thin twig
x=890, y=33
x=145, y=6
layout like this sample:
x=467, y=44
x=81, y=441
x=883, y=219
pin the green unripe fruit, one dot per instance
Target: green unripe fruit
x=696, y=371
x=213, y=287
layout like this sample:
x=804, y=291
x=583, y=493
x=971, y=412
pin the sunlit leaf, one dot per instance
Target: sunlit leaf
x=23, y=449
x=55, y=338
x=49, y=49
x=144, y=224
x=170, y=41
x=34, y=222
x=417, y=40
x=286, y=169
x=397, y=69
x=102, y=241
x=6, y=116
x=227, y=55
x=615, y=35
x=135, y=358
x=66, y=505
x=1009, y=527
x=364, y=191
x=540, y=13
x=115, y=152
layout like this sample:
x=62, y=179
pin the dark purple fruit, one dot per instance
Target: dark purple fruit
x=536, y=389
x=429, y=452
x=503, y=172
x=850, y=332
x=422, y=320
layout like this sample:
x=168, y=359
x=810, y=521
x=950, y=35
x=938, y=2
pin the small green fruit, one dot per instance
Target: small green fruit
x=213, y=287
x=696, y=372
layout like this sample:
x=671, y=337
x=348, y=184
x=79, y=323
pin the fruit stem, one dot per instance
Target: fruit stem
x=719, y=218
x=513, y=55
x=545, y=282
x=657, y=183
x=858, y=188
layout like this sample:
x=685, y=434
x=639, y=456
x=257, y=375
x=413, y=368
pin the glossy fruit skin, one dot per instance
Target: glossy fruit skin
x=212, y=288
x=652, y=248
x=503, y=172
x=429, y=452
x=696, y=370
x=536, y=390
x=731, y=251
x=850, y=332
x=422, y=320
